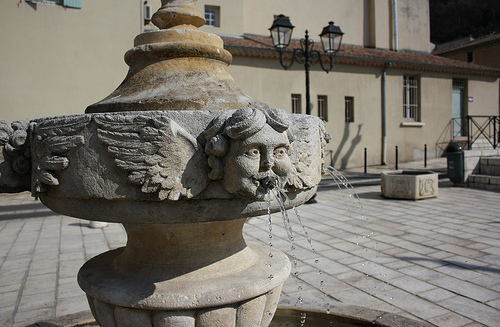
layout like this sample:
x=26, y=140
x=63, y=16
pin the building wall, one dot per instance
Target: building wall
x=58, y=60
x=488, y=56
x=364, y=22
x=414, y=25
x=265, y=80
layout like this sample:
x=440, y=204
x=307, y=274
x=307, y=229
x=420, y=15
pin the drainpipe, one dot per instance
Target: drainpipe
x=384, y=114
x=396, y=31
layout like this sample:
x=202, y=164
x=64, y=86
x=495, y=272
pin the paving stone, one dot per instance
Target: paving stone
x=419, y=307
x=473, y=310
x=436, y=295
x=465, y=289
x=411, y=284
x=450, y=320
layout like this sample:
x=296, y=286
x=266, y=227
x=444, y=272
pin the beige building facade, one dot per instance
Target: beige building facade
x=386, y=90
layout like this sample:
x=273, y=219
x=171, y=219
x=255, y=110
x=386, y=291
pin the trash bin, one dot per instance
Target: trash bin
x=455, y=157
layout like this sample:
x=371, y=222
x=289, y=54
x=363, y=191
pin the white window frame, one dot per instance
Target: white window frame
x=66, y=3
x=349, y=109
x=323, y=107
x=411, y=98
x=296, y=103
x=212, y=16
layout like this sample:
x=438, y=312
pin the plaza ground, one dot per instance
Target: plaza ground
x=436, y=261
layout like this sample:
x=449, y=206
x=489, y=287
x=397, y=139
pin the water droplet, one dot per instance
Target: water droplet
x=296, y=274
x=303, y=318
x=270, y=255
x=320, y=272
x=316, y=261
x=322, y=283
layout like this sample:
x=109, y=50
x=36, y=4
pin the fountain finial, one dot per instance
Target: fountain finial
x=177, y=12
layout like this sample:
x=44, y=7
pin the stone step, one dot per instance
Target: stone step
x=490, y=166
x=482, y=144
x=487, y=182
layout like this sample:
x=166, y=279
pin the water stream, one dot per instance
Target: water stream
x=353, y=204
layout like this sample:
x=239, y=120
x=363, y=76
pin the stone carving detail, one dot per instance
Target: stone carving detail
x=426, y=186
x=401, y=186
x=250, y=148
x=158, y=153
x=254, y=312
x=249, y=151
x=52, y=139
x=16, y=166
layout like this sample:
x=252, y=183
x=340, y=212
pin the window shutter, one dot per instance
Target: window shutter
x=73, y=3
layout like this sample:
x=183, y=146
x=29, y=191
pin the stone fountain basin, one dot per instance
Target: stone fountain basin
x=79, y=168
x=167, y=212
x=409, y=184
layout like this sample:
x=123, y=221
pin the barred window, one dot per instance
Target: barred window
x=411, y=103
x=296, y=103
x=323, y=107
x=349, y=109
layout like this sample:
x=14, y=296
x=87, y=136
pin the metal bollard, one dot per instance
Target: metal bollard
x=397, y=158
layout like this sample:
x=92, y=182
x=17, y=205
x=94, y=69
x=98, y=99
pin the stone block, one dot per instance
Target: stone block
x=495, y=180
x=472, y=153
x=471, y=163
x=413, y=185
x=487, y=170
x=482, y=179
x=488, y=152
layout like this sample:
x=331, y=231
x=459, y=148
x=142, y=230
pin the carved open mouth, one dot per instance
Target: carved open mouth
x=265, y=181
x=268, y=182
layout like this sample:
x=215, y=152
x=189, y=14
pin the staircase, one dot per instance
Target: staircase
x=489, y=174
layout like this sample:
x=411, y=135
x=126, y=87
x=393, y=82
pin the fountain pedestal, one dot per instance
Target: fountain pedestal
x=185, y=275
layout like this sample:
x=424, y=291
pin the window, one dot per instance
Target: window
x=212, y=14
x=65, y=3
x=470, y=56
x=323, y=107
x=296, y=103
x=349, y=109
x=411, y=101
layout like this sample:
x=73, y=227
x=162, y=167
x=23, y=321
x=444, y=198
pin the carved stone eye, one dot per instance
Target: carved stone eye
x=280, y=153
x=253, y=152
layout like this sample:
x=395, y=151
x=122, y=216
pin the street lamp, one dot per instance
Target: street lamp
x=331, y=37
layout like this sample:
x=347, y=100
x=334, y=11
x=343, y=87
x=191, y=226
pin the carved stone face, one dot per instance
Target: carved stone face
x=249, y=161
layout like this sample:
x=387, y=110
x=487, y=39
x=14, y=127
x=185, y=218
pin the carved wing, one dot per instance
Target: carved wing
x=158, y=153
x=306, y=156
x=53, y=138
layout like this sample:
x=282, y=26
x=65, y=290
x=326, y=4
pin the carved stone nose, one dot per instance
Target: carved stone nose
x=268, y=182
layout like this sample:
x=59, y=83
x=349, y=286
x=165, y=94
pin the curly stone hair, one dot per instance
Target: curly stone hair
x=239, y=125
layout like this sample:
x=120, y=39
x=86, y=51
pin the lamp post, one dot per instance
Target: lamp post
x=331, y=37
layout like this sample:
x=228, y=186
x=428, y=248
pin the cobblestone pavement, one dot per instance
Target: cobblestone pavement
x=435, y=260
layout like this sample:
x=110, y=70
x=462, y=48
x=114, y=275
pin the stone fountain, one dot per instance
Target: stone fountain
x=181, y=157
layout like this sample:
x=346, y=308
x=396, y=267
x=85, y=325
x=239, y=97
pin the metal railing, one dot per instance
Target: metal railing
x=474, y=128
